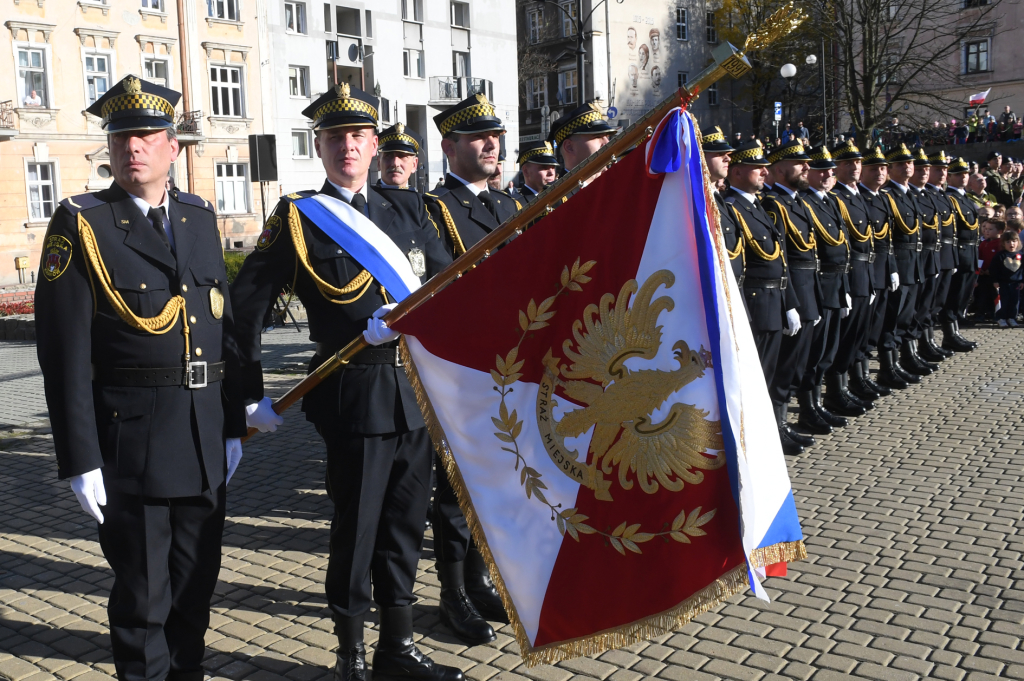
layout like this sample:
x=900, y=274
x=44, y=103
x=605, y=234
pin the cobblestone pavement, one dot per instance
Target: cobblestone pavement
x=912, y=517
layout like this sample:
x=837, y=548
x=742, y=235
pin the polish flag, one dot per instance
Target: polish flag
x=595, y=392
x=979, y=98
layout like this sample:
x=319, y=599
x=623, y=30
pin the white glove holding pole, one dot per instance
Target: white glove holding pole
x=792, y=323
x=262, y=417
x=233, y=451
x=377, y=332
x=845, y=311
x=88, y=487
x=894, y=281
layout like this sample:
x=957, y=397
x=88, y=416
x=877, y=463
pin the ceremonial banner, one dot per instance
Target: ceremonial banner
x=596, y=395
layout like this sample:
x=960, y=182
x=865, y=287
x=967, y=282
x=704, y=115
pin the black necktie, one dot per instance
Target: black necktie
x=156, y=218
x=488, y=201
x=359, y=203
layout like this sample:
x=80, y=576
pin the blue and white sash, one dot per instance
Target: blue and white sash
x=364, y=241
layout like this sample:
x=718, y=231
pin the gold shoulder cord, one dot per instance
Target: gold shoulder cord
x=882, y=232
x=857, y=236
x=793, y=232
x=934, y=224
x=956, y=206
x=360, y=281
x=452, y=232
x=899, y=218
x=825, y=236
x=753, y=242
x=159, y=325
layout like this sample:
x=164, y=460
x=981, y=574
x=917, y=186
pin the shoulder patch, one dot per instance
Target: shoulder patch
x=56, y=256
x=76, y=204
x=193, y=200
x=270, y=233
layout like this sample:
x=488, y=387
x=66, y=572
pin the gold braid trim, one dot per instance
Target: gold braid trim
x=825, y=236
x=857, y=236
x=882, y=233
x=361, y=280
x=793, y=232
x=459, y=247
x=934, y=224
x=739, y=249
x=732, y=582
x=753, y=242
x=899, y=218
x=956, y=206
x=159, y=325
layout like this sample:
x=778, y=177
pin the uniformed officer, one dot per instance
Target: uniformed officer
x=771, y=304
x=995, y=182
x=539, y=167
x=466, y=212
x=131, y=316
x=945, y=254
x=896, y=339
x=965, y=219
x=836, y=301
x=579, y=133
x=717, y=153
x=930, y=244
x=397, y=156
x=786, y=207
x=378, y=449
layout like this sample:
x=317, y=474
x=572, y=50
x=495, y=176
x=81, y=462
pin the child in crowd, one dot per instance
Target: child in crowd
x=1007, y=272
x=985, y=292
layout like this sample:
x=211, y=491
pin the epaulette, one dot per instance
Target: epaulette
x=76, y=204
x=304, y=194
x=437, y=192
x=192, y=200
x=730, y=199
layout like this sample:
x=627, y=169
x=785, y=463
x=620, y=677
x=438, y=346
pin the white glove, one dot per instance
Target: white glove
x=817, y=320
x=261, y=416
x=792, y=323
x=894, y=281
x=844, y=312
x=88, y=487
x=377, y=332
x=937, y=274
x=849, y=301
x=953, y=272
x=871, y=300
x=233, y=451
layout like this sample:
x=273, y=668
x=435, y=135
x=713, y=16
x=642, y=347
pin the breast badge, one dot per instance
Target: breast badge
x=270, y=233
x=418, y=261
x=56, y=256
x=216, y=303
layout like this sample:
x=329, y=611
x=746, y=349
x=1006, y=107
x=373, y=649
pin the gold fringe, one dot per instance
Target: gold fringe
x=624, y=635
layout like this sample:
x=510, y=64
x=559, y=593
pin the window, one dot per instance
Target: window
x=568, y=18
x=41, y=194
x=976, y=56
x=681, y=29
x=327, y=17
x=460, y=64
x=536, y=92
x=226, y=91
x=460, y=14
x=974, y=3
x=369, y=24
x=711, y=30
x=385, y=110
x=713, y=94
x=32, y=77
x=413, y=64
x=156, y=69
x=97, y=76
x=535, y=24
x=222, y=9
x=155, y=5
x=231, y=188
x=681, y=79
x=298, y=81
x=295, y=17
x=412, y=10
x=567, y=87
x=300, y=144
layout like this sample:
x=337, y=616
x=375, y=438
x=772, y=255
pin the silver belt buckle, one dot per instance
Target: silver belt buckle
x=398, y=358
x=871, y=257
x=920, y=246
x=783, y=283
x=196, y=377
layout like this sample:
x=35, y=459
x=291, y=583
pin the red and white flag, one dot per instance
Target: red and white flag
x=596, y=394
x=979, y=98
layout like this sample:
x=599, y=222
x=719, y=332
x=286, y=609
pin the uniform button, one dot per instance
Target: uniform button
x=340, y=251
x=217, y=282
x=184, y=287
x=199, y=352
x=753, y=293
x=114, y=414
x=192, y=319
x=142, y=285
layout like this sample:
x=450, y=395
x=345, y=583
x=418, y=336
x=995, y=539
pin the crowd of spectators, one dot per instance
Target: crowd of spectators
x=980, y=126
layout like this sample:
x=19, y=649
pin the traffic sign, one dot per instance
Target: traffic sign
x=778, y=111
x=612, y=112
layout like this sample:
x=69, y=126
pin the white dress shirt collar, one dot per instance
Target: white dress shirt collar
x=749, y=197
x=476, y=189
x=959, y=191
x=347, y=194
x=789, y=191
x=166, y=205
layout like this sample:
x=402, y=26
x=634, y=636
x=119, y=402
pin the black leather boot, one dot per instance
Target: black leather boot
x=789, y=445
x=350, y=662
x=927, y=350
x=956, y=330
x=481, y=589
x=456, y=609
x=799, y=438
x=810, y=419
x=858, y=385
x=874, y=385
x=915, y=347
x=887, y=374
x=930, y=337
x=953, y=341
x=909, y=360
x=397, y=657
x=837, y=401
x=844, y=383
x=834, y=420
x=900, y=371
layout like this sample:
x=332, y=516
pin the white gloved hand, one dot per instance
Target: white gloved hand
x=849, y=301
x=894, y=281
x=937, y=275
x=377, y=332
x=953, y=271
x=262, y=417
x=792, y=323
x=817, y=320
x=233, y=451
x=88, y=487
x=871, y=300
x=844, y=312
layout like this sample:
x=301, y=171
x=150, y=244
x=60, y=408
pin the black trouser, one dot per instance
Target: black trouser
x=451, y=532
x=853, y=334
x=899, y=315
x=961, y=285
x=941, y=294
x=823, y=349
x=925, y=302
x=789, y=370
x=1009, y=299
x=768, y=344
x=380, y=486
x=165, y=554
x=876, y=321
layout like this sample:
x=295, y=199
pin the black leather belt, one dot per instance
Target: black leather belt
x=751, y=282
x=949, y=240
x=804, y=265
x=382, y=355
x=834, y=267
x=198, y=375
x=865, y=257
x=967, y=242
x=916, y=246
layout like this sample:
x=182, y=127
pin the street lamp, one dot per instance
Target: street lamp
x=788, y=71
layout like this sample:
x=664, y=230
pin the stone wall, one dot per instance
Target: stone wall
x=18, y=327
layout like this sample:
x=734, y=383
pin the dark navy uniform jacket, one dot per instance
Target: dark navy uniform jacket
x=947, y=230
x=862, y=271
x=165, y=441
x=472, y=221
x=834, y=259
x=731, y=235
x=803, y=265
x=929, y=214
x=370, y=399
x=908, y=259
x=881, y=225
x=966, y=222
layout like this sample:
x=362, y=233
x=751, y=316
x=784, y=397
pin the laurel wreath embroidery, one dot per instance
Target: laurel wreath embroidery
x=508, y=371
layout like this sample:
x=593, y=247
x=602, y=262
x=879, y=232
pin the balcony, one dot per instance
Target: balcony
x=189, y=127
x=448, y=90
x=7, y=129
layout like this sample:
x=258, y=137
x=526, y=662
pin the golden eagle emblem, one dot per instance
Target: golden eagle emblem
x=133, y=85
x=619, y=403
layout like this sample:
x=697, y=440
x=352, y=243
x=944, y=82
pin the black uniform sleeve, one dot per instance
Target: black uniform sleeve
x=435, y=212
x=438, y=254
x=64, y=311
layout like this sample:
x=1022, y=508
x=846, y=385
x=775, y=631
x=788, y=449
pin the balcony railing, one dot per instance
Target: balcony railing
x=451, y=89
x=7, y=114
x=190, y=123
